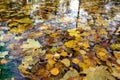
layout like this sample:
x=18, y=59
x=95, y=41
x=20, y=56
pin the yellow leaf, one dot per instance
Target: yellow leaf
x=100, y=49
x=19, y=29
x=55, y=71
x=103, y=32
x=115, y=46
x=70, y=44
x=13, y=24
x=76, y=61
x=55, y=35
x=76, y=48
x=49, y=56
x=51, y=61
x=25, y=20
x=63, y=53
x=83, y=52
x=23, y=70
x=101, y=54
x=86, y=45
x=83, y=65
x=27, y=59
x=66, y=62
x=117, y=54
x=73, y=32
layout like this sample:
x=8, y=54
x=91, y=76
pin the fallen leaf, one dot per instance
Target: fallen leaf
x=49, y=56
x=55, y=71
x=73, y=32
x=115, y=46
x=31, y=43
x=25, y=20
x=76, y=61
x=51, y=61
x=54, y=49
x=83, y=52
x=117, y=54
x=70, y=44
x=71, y=74
x=66, y=62
x=98, y=73
x=63, y=53
x=116, y=73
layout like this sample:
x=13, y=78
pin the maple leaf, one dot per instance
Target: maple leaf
x=73, y=32
x=70, y=43
x=31, y=43
x=98, y=73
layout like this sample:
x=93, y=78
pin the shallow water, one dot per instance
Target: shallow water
x=38, y=20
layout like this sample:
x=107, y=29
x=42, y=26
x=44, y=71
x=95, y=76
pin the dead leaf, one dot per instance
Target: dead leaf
x=98, y=73
x=66, y=62
x=31, y=43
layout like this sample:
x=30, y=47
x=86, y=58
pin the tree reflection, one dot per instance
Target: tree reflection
x=78, y=13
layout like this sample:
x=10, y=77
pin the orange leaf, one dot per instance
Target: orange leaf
x=54, y=71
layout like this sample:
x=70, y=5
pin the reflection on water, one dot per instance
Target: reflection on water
x=57, y=6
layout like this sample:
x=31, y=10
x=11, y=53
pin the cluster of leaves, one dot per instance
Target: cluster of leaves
x=57, y=54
